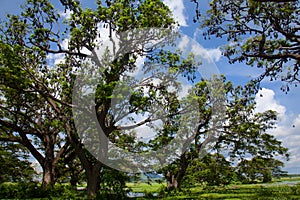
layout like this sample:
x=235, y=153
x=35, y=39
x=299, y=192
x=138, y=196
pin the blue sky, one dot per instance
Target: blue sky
x=288, y=128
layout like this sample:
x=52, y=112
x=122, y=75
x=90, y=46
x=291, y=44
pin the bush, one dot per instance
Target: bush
x=113, y=184
x=296, y=189
x=33, y=190
x=62, y=191
x=20, y=190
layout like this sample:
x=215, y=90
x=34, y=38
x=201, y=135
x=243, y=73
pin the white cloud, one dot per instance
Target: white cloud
x=292, y=141
x=210, y=55
x=55, y=59
x=265, y=101
x=184, y=42
x=104, y=31
x=146, y=132
x=138, y=71
x=184, y=91
x=65, y=14
x=198, y=32
x=205, y=58
x=65, y=44
x=207, y=55
x=214, y=54
x=177, y=8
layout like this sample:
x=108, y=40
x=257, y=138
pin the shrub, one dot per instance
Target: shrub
x=33, y=190
x=20, y=190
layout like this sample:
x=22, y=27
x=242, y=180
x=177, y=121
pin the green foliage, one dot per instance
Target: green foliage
x=20, y=190
x=15, y=165
x=237, y=132
x=36, y=111
x=33, y=190
x=37, y=96
x=113, y=184
x=212, y=170
x=259, y=168
x=70, y=170
x=127, y=15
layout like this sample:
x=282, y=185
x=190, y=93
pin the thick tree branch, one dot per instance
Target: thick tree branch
x=273, y=56
x=61, y=152
x=276, y=1
x=24, y=140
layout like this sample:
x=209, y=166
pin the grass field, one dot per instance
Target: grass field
x=276, y=190
x=247, y=191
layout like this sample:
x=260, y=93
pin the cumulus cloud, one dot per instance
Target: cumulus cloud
x=206, y=54
x=265, y=101
x=209, y=55
x=177, y=7
x=292, y=141
x=214, y=54
x=65, y=14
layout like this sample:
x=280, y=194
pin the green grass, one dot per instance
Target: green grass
x=237, y=191
x=145, y=187
x=249, y=191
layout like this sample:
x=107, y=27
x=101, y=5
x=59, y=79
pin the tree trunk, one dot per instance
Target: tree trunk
x=267, y=175
x=48, y=176
x=74, y=179
x=91, y=165
x=93, y=177
x=174, y=180
x=92, y=185
x=48, y=165
x=92, y=170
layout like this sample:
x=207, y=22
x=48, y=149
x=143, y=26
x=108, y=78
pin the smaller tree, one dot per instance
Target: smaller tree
x=239, y=133
x=259, y=168
x=213, y=169
x=113, y=183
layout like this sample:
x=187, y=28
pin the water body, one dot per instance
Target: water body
x=135, y=194
x=290, y=183
x=138, y=194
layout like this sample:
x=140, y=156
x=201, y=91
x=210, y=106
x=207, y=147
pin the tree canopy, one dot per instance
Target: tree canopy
x=241, y=133
x=264, y=34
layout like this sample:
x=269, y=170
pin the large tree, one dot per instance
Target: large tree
x=117, y=17
x=37, y=96
x=27, y=118
x=259, y=33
